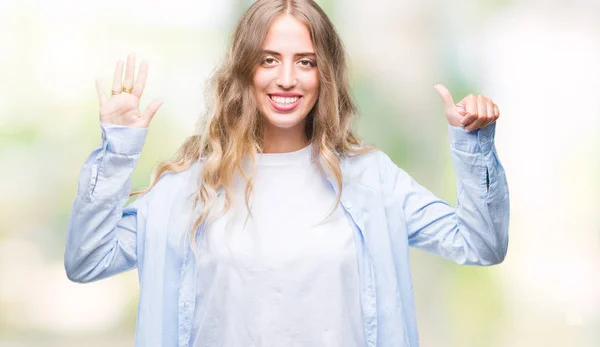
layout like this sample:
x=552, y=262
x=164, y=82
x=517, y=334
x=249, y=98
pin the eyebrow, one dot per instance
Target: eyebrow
x=302, y=54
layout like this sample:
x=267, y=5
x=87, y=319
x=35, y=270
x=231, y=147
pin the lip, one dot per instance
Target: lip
x=285, y=94
x=285, y=108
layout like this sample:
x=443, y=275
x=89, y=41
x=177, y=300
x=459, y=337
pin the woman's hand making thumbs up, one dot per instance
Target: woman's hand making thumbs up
x=472, y=112
x=122, y=108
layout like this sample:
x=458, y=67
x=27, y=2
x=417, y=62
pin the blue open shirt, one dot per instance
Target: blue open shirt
x=390, y=210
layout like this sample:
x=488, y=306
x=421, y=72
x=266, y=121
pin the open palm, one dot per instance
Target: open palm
x=122, y=108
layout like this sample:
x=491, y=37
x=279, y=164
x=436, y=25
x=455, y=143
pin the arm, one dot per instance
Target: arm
x=475, y=231
x=101, y=233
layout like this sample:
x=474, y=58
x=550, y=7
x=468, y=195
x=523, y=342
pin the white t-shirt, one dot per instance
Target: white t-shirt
x=283, y=276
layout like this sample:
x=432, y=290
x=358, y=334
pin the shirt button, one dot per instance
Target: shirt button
x=348, y=204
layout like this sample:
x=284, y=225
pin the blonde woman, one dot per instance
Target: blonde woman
x=275, y=225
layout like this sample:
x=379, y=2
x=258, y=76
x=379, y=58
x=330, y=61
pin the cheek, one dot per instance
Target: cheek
x=316, y=86
x=260, y=81
x=312, y=83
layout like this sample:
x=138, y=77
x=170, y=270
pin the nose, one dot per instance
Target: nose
x=286, y=78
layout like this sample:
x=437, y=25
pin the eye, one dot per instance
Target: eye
x=307, y=63
x=269, y=61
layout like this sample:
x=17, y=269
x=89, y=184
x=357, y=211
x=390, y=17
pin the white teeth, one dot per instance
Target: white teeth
x=283, y=100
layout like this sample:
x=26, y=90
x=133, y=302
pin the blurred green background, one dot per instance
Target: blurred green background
x=539, y=61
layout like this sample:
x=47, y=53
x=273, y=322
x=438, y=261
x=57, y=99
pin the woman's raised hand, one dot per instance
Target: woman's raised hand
x=122, y=108
x=472, y=112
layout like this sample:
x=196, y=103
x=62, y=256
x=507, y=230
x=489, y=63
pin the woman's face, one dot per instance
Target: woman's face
x=287, y=81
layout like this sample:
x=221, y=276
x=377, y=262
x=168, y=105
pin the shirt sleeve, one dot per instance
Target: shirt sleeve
x=101, y=232
x=475, y=231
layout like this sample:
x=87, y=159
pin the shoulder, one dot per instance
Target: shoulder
x=374, y=169
x=374, y=160
x=177, y=183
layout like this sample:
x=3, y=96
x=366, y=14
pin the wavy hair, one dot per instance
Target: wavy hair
x=233, y=128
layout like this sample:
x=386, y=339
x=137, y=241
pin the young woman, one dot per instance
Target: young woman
x=275, y=225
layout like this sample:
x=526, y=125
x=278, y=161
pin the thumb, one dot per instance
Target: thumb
x=152, y=109
x=445, y=95
x=101, y=94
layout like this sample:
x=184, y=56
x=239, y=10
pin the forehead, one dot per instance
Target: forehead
x=288, y=35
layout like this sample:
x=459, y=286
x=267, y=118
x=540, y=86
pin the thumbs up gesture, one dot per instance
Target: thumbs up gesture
x=472, y=112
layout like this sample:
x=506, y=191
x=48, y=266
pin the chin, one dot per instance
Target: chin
x=284, y=121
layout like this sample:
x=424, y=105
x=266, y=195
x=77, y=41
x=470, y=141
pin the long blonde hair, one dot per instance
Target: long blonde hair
x=233, y=129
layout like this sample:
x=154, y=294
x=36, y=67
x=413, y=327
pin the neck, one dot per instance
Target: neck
x=278, y=140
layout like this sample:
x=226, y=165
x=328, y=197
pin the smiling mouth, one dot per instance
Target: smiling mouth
x=284, y=103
